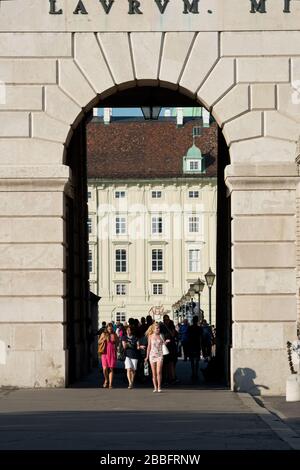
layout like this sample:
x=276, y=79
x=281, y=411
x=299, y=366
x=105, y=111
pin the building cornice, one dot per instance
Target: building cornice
x=153, y=182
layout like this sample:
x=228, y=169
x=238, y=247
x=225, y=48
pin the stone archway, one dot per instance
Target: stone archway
x=248, y=91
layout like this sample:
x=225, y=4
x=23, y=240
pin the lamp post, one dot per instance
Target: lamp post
x=210, y=279
x=182, y=302
x=176, y=308
x=198, y=288
x=187, y=299
x=192, y=294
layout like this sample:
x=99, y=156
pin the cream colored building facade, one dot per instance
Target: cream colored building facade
x=243, y=64
x=167, y=234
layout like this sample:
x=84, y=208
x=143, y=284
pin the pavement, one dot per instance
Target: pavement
x=288, y=412
x=186, y=416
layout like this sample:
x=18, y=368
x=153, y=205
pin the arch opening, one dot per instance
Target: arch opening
x=80, y=308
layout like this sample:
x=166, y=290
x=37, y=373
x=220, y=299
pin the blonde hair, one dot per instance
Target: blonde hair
x=151, y=329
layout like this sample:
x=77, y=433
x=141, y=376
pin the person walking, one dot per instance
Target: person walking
x=109, y=340
x=194, y=336
x=142, y=348
x=206, y=340
x=130, y=345
x=102, y=329
x=183, y=337
x=169, y=332
x=143, y=326
x=155, y=354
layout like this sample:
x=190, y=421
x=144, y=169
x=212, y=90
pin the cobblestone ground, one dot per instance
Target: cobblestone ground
x=89, y=417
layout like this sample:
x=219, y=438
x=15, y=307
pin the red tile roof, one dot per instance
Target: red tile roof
x=136, y=149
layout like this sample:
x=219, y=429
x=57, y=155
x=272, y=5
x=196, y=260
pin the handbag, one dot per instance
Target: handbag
x=164, y=347
x=102, y=346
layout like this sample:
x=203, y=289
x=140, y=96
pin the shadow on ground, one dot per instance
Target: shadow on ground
x=183, y=373
x=113, y=429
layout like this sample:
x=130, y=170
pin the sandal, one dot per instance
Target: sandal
x=105, y=385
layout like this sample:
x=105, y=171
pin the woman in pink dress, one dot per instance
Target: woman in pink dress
x=155, y=354
x=109, y=357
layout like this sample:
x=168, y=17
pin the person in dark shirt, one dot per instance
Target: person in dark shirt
x=143, y=326
x=167, y=329
x=206, y=335
x=183, y=336
x=149, y=321
x=131, y=347
x=102, y=329
x=194, y=335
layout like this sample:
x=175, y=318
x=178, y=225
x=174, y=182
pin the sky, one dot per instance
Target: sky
x=137, y=112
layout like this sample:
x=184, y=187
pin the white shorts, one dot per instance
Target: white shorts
x=131, y=363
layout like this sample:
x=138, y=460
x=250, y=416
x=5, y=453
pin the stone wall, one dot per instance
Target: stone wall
x=248, y=80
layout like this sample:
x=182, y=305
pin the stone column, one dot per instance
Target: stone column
x=32, y=263
x=298, y=247
x=264, y=308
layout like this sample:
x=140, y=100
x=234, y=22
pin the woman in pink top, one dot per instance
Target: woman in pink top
x=109, y=357
x=155, y=354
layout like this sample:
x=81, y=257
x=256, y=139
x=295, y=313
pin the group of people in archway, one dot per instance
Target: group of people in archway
x=144, y=342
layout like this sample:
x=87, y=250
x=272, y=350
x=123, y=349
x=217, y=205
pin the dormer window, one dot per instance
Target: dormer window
x=193, y=161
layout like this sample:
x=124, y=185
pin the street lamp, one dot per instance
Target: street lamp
x=151, y=112
x=192, y=294
x=187, y=298
x=177, y=309
x=210, y=279
x=198, y=288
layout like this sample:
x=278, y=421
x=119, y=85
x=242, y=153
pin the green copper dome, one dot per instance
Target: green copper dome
x=194, y=152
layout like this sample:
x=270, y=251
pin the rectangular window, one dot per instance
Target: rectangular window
x=121, y=261
x=121, y=317
x=89, y=224
x=197, y=131
x=89, y=194
x=121, y=289
x=194, y=224
x=194, y=261
x=194, y=165
x=157, y=289
x=90, y=261
x=120, y=225
x=157, y=224
x=157, y=260
x=156, y=194
x=120, y=194
x=193, y=194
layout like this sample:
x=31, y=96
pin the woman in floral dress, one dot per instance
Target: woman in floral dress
x=155, y=354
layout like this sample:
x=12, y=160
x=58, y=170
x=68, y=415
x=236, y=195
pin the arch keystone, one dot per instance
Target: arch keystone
x=146, y=49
